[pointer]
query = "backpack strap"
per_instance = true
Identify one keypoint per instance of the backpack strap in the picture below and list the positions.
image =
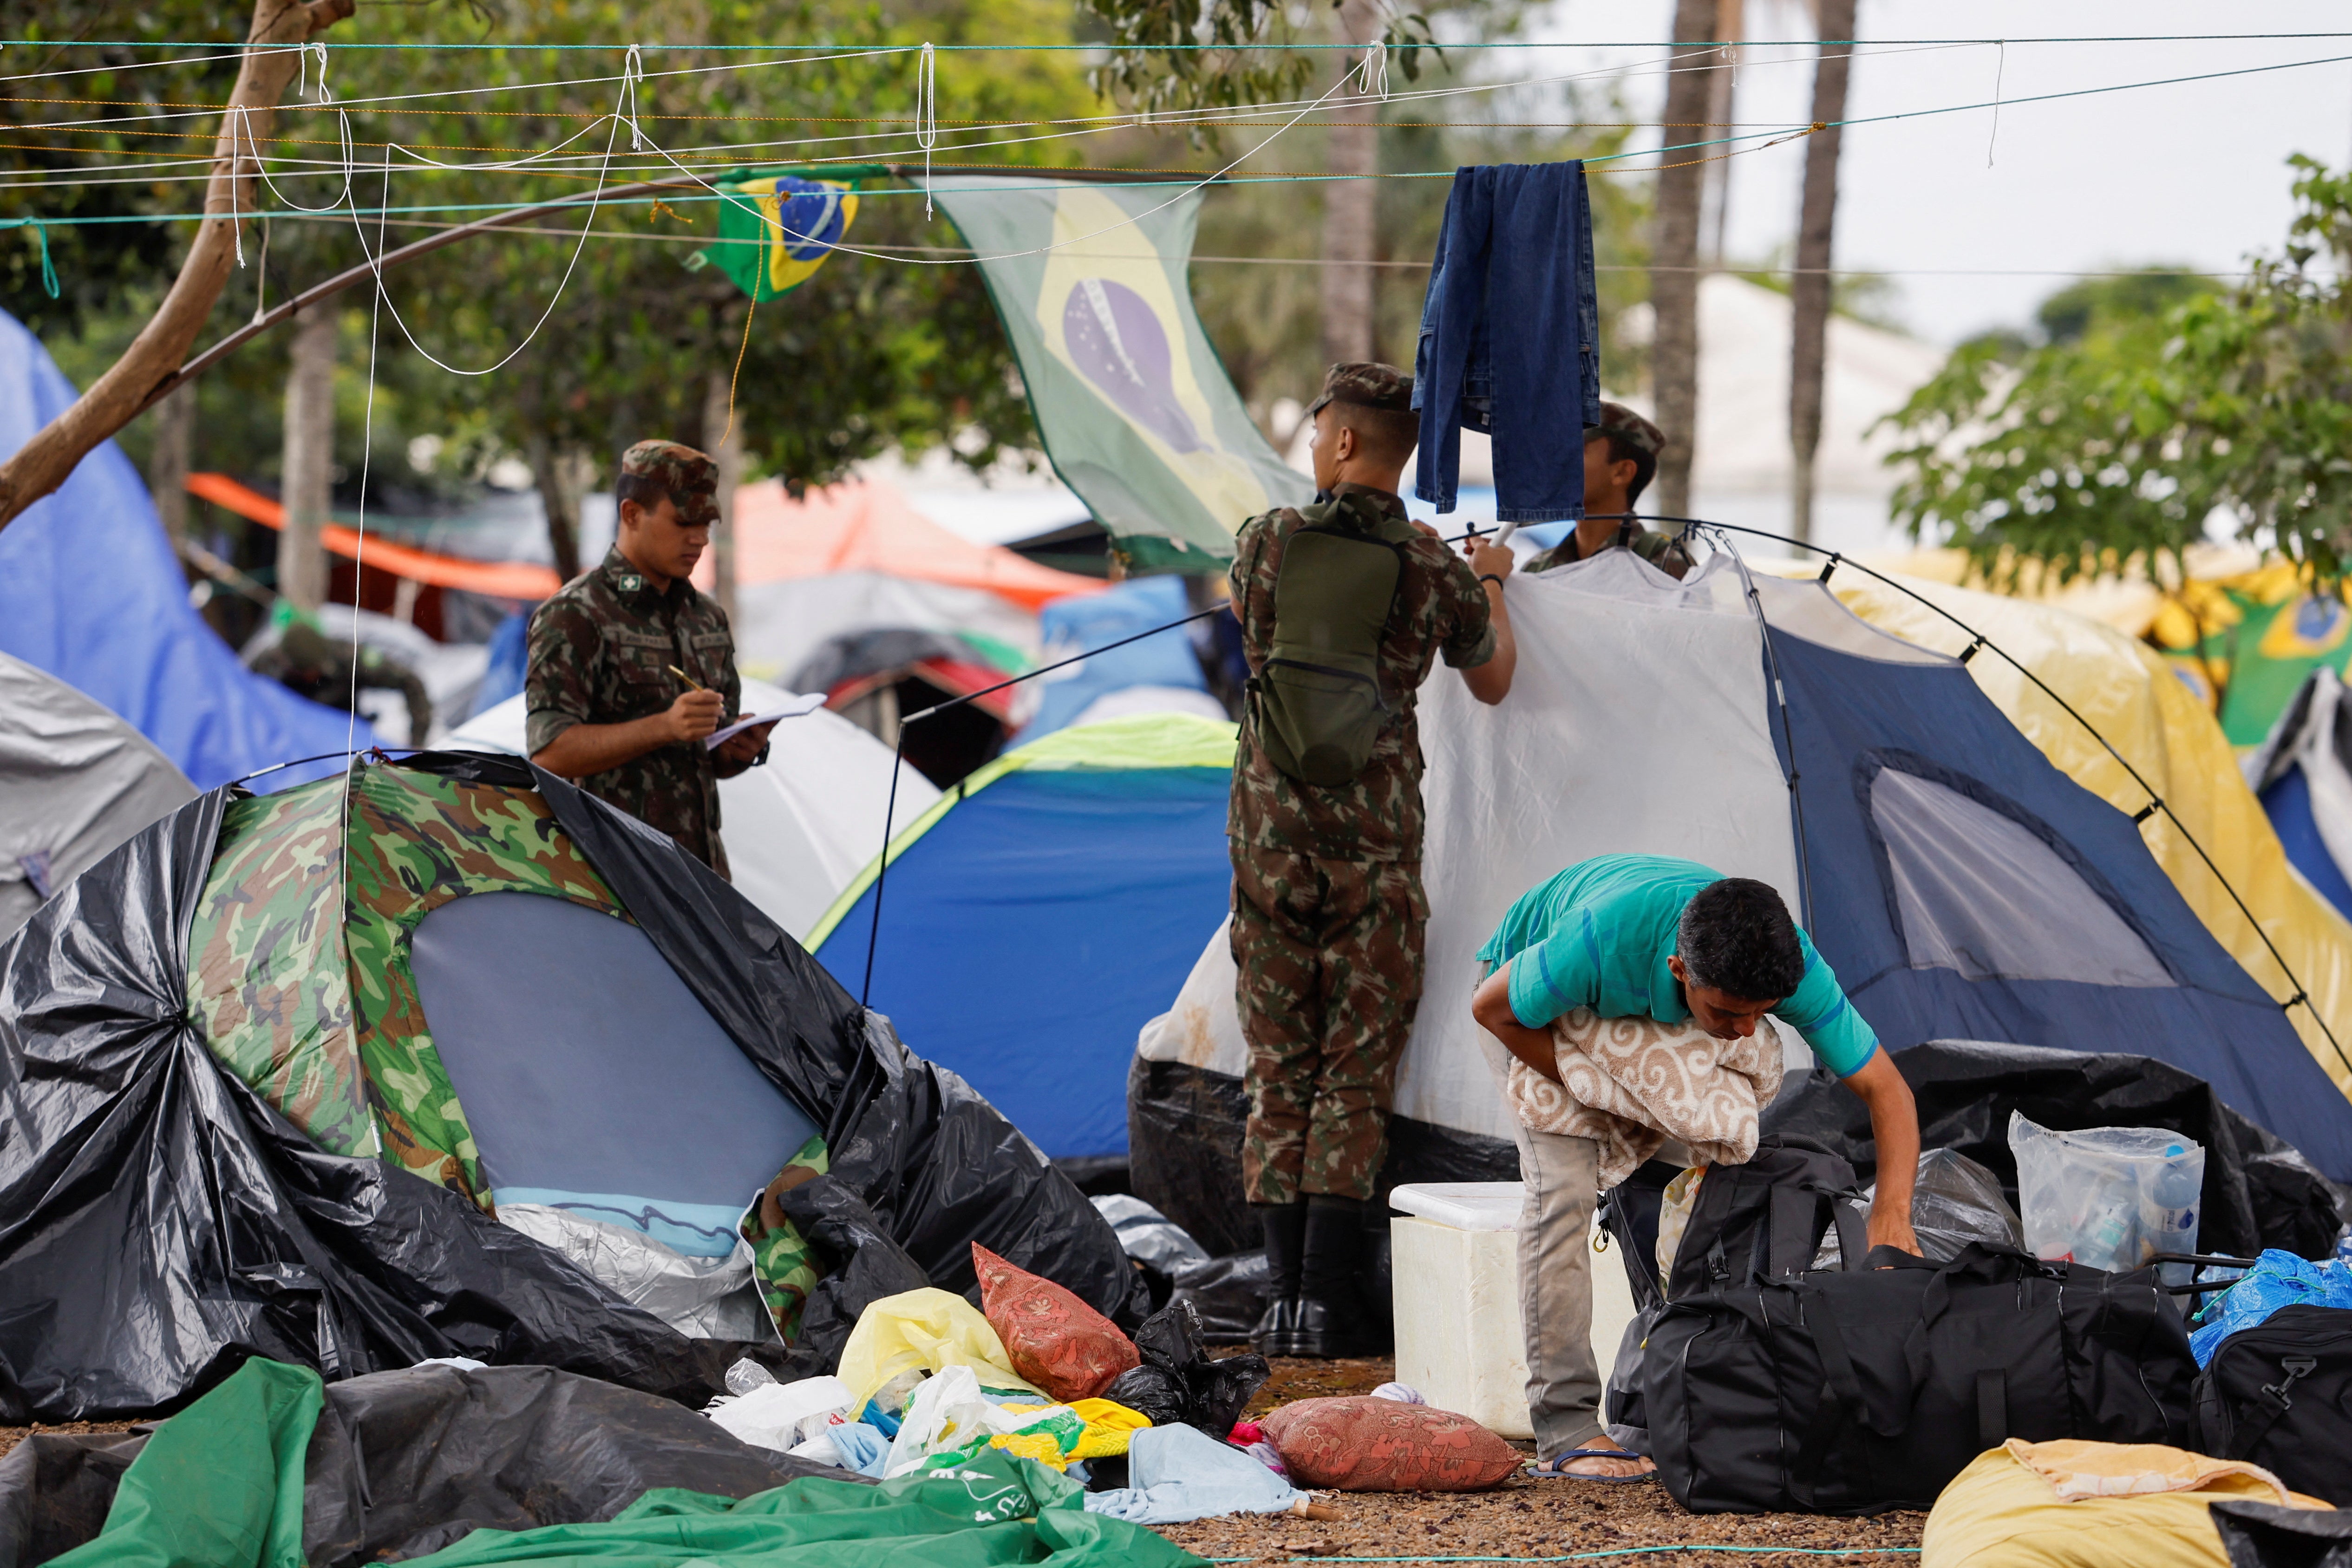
(2277, 1399)
(1854, 1237)
(1796, 1230)
(1992, 1408)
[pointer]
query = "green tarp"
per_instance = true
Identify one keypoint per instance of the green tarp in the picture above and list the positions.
(990, 1509)
(1133, 404)
(220, 1486)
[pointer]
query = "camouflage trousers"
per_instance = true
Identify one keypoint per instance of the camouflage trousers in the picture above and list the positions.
(1330, 954)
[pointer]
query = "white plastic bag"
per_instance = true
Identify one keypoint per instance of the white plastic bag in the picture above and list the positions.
(947, 1414)
(782, 1414)
(2108, 1197)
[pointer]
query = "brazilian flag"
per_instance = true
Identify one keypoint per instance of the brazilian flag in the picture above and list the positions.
(774, 230)
(1133, 406)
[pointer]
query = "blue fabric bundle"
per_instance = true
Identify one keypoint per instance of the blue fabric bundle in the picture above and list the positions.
(2277, 1280)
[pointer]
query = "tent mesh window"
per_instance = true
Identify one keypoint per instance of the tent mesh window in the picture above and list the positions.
(1975, 890)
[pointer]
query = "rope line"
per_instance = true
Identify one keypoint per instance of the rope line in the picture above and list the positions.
(1195, 48)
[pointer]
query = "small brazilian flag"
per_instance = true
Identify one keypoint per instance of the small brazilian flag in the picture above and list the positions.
(774, 230)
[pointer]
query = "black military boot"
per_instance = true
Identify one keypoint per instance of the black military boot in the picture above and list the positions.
(1284, 1225)
(1331, 1302)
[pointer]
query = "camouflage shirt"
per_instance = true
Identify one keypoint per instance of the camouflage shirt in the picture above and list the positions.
(601, 652)
(1662, 550)
(1440, 609)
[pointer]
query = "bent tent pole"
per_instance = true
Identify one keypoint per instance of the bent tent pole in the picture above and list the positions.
(1978, 643)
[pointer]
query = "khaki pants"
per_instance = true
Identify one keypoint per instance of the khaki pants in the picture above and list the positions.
(1556, 1288)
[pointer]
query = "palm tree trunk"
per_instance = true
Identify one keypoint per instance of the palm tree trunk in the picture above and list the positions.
(1809, 289)
(1350, 206)
(559, 500)
(308, 478)
(725, 436)
(169, 457)
(1674, 263)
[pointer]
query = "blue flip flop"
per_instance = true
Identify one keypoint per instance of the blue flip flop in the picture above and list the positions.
(1550, 1471)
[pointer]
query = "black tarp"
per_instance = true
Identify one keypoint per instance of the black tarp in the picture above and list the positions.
(403, 1463)
(158, 1223)
(1184, 1153)
(2259, 1192)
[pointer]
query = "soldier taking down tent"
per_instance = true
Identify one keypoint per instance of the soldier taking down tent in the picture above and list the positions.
(1345, 607)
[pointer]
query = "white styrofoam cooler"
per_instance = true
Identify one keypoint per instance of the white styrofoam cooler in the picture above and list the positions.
(1455, 1264)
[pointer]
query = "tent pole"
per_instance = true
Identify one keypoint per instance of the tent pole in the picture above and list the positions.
(2156, 802)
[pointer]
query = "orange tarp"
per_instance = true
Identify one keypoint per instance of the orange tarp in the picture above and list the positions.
(869, 527)
(499, 579)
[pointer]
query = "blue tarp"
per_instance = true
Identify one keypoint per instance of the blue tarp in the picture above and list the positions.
(1854, 717)
(92, 592)
(1074, 625)
(1034, 930)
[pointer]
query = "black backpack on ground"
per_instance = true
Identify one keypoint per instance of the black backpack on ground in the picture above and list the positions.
(1759, 1220)
(1855, 1393)
(2279, 1394)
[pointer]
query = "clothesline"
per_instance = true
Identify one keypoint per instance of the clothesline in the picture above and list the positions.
(512, 48)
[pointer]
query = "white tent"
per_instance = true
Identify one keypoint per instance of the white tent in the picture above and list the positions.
(1961, 887)
(76, 781)
(796, 830)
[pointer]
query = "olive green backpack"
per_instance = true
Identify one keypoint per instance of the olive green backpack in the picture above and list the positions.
(1315, 705)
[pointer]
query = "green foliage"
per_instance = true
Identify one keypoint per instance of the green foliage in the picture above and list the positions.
(2126, 438)
(2072, 313)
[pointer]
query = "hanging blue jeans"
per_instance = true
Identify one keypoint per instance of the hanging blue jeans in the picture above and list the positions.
(1510, 339)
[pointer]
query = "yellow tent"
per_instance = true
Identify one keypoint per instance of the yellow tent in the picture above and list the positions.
(2129, 692)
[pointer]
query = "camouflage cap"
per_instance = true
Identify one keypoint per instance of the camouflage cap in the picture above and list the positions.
(690, 477)
(1372, 386)
(1621, 422)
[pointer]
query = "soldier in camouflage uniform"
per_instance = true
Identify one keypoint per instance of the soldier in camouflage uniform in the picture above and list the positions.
(1328, 911)
(607, 706)
(1621, 454)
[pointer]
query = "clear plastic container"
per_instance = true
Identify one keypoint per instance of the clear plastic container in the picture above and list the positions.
(2108, 1197)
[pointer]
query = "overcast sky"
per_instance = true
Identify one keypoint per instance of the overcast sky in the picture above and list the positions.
(2192, 174)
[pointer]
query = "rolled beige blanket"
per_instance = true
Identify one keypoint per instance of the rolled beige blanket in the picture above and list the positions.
(1629, 1084)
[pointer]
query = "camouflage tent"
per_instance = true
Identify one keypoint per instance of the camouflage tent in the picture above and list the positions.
(323, 1040)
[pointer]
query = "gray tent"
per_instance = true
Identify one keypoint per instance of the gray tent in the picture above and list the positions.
(76, 780)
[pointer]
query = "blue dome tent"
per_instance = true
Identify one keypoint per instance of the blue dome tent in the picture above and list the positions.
(92, 592)
(2303, 773)
(1042, 910)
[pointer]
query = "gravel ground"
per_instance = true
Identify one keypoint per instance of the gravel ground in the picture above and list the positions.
(12, 1436)
(1522, 1519)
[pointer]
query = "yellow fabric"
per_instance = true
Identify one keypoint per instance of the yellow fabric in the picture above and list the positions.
(1108, 1429)
(1037, 1445)
(2077, 1469)
(2000, 1512)
(2131, 696)
(926, 1329)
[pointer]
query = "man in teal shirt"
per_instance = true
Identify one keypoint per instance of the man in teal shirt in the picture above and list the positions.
(1647, 936)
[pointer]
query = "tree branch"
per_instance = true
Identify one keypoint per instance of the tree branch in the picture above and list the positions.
(271, 58)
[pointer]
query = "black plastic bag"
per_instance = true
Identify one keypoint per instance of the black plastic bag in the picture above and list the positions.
(1184, 1131)
(403, 1463)
(1955, 1202)
(1159, 1249)
(1180, 1381)
(1228, 1296)
(2264, 1535)
(2259, 1192)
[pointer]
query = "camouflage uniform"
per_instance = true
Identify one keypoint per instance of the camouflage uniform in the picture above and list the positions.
(601, 652)
(1329, 913)
(1662, 550)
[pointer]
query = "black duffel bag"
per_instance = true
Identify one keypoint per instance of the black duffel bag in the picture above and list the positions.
(2280, 1395)
(1854, 1392)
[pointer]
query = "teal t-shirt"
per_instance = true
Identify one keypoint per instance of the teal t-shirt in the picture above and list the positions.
(1598, 935)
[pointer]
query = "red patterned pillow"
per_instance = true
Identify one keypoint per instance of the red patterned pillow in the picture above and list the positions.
(1053, 1340)
(1366, 1445)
